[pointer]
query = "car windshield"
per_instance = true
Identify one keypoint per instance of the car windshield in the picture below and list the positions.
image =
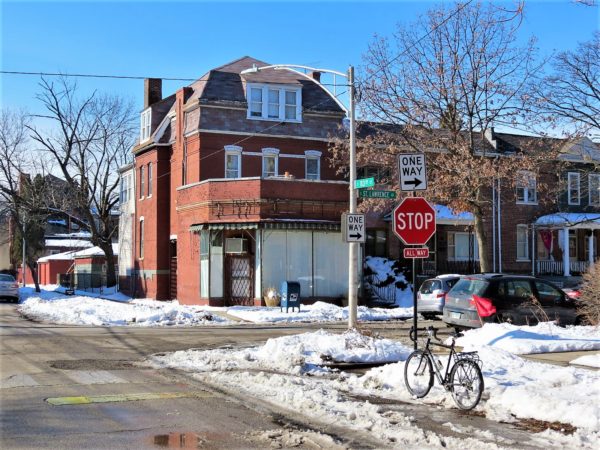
(451, 282)
(429, 286)
(469, 286)
(4, 277)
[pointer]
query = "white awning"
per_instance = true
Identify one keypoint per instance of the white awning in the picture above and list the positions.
(569, 220)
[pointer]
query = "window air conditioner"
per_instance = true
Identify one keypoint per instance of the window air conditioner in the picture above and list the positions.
(236, 245)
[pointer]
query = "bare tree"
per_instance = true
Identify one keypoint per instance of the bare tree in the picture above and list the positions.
(442, 84)
(572, 91)
(92, 138)
(28, 202)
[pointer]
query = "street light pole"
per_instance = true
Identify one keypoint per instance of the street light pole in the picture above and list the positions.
(23, 245)
(353, 250)
(351, 111)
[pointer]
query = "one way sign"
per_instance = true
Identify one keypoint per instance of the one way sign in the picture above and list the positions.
(353, 227)
(413, 172)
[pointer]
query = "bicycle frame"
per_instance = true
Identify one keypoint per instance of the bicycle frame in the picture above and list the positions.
(443, 380)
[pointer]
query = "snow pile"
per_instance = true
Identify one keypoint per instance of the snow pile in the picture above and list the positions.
(290, 354)
(317, 312)
(587, 360)
(388, 270)
(542, 338)
(514, 387)
(83, 310)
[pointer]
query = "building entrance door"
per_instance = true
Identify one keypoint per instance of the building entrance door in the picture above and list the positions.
(239, 280)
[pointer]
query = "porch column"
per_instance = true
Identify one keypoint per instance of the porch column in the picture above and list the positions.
(566, 258)
(591, 256)
(258, 265)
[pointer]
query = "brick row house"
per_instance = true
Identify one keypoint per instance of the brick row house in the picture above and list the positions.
(232, 192)
(540, 223)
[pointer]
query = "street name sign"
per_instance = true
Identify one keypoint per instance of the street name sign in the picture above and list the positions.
(416, 252)
(354, 227)
(362, 183)
(414, 221)
(413, 172)
(376, 194)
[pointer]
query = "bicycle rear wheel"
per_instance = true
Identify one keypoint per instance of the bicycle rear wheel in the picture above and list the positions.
(467, 384)
(418, 374)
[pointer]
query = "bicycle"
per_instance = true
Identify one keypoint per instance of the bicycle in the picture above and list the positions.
(462, 376)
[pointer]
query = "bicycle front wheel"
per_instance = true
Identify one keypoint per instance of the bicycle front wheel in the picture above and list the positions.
(467, 384)
(418, 374)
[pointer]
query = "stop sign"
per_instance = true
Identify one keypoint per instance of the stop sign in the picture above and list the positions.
(414, 221)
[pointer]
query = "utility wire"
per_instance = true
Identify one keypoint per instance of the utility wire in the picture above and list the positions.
(398, 56)
(118, 77)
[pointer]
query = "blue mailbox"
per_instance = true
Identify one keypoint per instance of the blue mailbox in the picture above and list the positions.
(290, 295)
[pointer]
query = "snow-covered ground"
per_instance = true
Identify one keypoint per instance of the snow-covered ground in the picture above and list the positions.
(55, 307)
(542, 338)
(85, 308)
(387, 270)
(318, 312)
(286, 373)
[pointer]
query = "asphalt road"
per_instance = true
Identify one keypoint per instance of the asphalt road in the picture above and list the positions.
(84, 387)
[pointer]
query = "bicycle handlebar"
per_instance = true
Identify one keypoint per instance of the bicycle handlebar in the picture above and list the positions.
(432, 332)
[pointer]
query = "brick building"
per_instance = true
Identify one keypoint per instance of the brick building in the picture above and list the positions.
(233, 192)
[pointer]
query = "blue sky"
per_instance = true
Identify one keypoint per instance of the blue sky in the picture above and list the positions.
(186, 39)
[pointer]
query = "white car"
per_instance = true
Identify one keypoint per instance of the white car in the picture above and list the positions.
(432, 294)
(9, 288)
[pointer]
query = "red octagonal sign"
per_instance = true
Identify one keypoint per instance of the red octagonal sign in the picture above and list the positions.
(414, 221)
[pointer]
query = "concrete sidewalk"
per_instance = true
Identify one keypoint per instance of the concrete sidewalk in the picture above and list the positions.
(562, 358)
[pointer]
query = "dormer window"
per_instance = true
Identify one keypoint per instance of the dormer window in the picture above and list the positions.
(268, 102)
(145, 125)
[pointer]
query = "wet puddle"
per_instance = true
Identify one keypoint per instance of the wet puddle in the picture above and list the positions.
(178, 440)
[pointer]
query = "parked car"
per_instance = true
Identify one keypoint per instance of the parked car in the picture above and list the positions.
(573, 292)
(432, 294)
(9, 288)
(477, 299)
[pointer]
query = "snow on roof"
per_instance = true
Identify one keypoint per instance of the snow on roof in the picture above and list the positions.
(69, 243)
(445, 216)
(81, 234)
(569, 220)
(94, 251)
(57, 256)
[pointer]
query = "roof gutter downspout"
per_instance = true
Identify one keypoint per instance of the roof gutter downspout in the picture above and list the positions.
(499, 228)
(494, 225)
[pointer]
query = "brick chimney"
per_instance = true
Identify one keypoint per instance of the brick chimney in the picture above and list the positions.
(152, 91)
(316, 75)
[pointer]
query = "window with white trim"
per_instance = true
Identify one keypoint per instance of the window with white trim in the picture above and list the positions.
(522, 243)
(149, 179)
(125, 189)
(594, 189)
(526, 187)
(142, 182)
(141, 238)
(269, 102)
(145, 121)
(573, 191)
(233, 161)
(270, 162)
(462, 246)
(313, 164)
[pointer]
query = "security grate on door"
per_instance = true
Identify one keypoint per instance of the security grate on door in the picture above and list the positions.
(239, 281)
